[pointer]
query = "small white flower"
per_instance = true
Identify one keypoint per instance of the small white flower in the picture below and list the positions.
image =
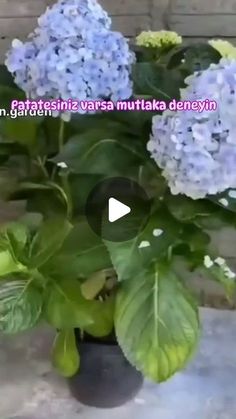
(144, 244)
(232, 194)
(208, 262)
(220, 261)
(157, 232)
(62, 164)
(224, 202)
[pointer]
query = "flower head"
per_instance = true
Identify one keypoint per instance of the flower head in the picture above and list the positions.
(73, 54)
(159, 39)
(225, 48)
(197, 151)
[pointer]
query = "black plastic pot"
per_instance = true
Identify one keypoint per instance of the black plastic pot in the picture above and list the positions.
(105, 379)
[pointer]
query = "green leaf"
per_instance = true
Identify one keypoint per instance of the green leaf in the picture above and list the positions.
(152, 243)
(48, 240)
(93, 285)
(100, 152)
(14, 237)
(82, 254)
(80, 188)
(34, 186)
(66, 307)
(216, 221)
(175, 57)
(219, 271)
(45, 202)
(7, 263)
(156, 323)
(8, 94)
(29, 188)
(156, 80)
(6, 78)
(20, 305)
(65, 355)
(196, 239)
(226, 199)
(186, 209)
(103, 318)
(22, 130)
(199, 57)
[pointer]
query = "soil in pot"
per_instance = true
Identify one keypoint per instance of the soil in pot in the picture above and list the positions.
(105, 379)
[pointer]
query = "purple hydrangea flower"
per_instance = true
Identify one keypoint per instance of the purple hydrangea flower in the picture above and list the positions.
(73, 54)
(197, 151)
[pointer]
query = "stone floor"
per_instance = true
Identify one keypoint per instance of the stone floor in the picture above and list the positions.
(29, 389)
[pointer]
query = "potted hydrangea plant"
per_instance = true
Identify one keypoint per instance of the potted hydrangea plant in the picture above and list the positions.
(118, 308)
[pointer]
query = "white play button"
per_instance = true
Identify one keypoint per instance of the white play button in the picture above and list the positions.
(117, 210)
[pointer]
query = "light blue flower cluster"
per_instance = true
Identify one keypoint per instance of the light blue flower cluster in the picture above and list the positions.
(73, 54)
(197, 151)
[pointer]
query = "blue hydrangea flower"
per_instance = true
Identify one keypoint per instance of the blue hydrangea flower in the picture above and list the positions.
(197, 151)
(73, 54)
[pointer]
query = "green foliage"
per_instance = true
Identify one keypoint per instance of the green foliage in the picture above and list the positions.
(48, 240)
(20, 305)
(192, 58)
(65, 306)
(152, 243)
(55, 268)
(65, 355)
(155, 80)
(156, 322)
(100, 152)
(81, 254)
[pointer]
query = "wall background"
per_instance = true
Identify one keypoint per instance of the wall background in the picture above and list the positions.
(191, 18)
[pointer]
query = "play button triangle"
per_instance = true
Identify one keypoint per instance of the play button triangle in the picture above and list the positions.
(117, 210)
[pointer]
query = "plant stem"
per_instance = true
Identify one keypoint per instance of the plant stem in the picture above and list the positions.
(40, 163)
(66, 187)
(65, 183)
(61, 135)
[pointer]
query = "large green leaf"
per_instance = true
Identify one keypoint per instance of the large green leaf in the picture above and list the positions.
(226, 199)
(156, 323)
(66, 307)
(48, 240)
(199, 57)
(20, 305)
(156, 80)
(80, 188)
(195, 238)
(100, 152)
(22, 130)
(186, 209)
(82, 254)
(65, 355)
(46, 202)
(152, 243)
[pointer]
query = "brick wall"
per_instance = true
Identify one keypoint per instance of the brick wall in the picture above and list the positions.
(191, 18)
